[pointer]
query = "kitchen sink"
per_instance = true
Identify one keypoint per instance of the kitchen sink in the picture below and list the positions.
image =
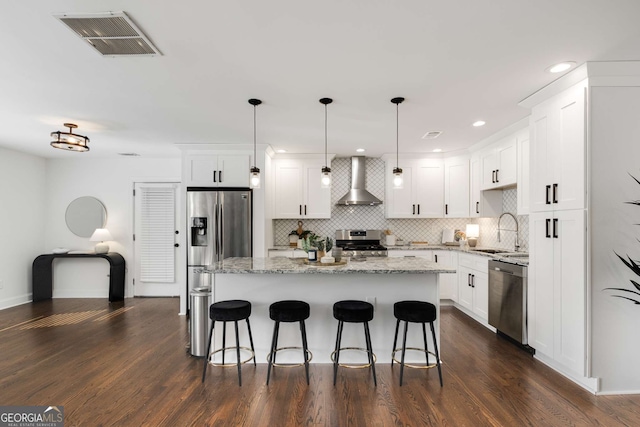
(489, 251)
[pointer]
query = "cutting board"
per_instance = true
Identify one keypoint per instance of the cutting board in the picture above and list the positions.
(447, 236)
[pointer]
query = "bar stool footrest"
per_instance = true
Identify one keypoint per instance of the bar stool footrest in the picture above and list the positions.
(227, 365)
(309, 356)
(350, 365)
(425, 366)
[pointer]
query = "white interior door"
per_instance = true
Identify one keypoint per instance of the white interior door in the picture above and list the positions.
(155, 234)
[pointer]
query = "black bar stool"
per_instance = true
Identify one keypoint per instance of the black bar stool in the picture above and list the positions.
(289, 311)
(229, 311)
(415, 312)
(351, 311)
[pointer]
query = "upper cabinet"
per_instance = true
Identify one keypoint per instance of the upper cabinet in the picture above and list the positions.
(422, 193)
(456, 187)
(523, 172)
(486, 203)
(558, 144)
(499, 164)
(228, 170)
(297, 189)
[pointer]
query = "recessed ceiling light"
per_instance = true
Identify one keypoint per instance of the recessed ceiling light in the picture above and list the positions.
(479, 123)
(437, 150)
(282, 151)
(562, 66)
(360, 150)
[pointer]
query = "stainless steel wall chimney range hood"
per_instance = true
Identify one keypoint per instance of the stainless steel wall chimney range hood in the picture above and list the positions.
(358, 195)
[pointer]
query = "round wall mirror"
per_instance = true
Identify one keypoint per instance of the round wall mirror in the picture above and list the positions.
(84, 215)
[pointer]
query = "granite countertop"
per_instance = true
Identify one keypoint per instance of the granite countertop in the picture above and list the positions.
(374, 265)
(512, 258)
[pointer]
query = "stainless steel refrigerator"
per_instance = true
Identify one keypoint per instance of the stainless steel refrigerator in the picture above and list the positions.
(219, 226)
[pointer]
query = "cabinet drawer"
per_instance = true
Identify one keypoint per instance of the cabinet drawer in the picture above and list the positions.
(409, 253)
(475, 262)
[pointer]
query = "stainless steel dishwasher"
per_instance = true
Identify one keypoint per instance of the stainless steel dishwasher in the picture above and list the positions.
(508, 299)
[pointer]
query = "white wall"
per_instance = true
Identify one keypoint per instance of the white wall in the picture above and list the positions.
(22, 212)
(111, 182)
(615, 153)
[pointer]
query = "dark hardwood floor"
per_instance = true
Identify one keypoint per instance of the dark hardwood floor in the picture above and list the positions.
(128, 366)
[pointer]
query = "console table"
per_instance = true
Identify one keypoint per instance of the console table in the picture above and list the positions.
(42, 274)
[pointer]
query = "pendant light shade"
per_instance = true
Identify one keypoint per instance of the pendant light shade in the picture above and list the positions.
(254, 172)
(70, 141)
(325, 179)
(397, 172)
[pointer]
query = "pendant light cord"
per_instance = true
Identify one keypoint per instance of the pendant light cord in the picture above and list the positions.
(397, 135)
(254, 136)
(325, 134)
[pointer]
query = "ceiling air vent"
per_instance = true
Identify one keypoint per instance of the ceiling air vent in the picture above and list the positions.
(110, 33)
(432, 134)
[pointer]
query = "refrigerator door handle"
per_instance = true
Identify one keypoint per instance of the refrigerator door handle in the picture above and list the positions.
(216, 232)
(220, 236)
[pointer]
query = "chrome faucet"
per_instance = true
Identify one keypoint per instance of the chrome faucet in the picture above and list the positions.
(517, 245)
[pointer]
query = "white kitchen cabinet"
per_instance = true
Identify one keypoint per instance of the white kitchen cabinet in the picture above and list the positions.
(287, 253)
(558, 144)
(456, 187)
(448, 282)
(523, 173)
(499, 164)
(297, 189)
(422, 194)
(483, 203)
(473, 285)
(557, 287)
(223, 170)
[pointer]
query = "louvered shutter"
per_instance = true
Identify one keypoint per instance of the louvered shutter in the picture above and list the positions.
(157, 234)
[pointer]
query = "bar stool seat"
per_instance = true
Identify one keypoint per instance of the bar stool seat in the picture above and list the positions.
(353, 311)
(415, 312)
(289, 311)
(229, 311)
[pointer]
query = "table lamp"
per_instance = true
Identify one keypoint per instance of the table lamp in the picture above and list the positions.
(473, 232)
(101, 235)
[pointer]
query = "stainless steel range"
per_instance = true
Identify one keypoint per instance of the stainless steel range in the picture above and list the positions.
(360, 243)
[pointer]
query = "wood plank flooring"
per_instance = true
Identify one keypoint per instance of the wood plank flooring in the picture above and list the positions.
(128, 366)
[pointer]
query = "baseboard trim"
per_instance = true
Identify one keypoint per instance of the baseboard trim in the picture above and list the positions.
(592, 385)
(15, 301)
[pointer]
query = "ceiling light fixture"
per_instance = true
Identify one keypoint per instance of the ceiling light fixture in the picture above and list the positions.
(69, 140)
(360, 150)
(562, 66)
(437, 150)
(254, 172)
(282, 151)
(479, 123)
(325, 179)
(397, 172)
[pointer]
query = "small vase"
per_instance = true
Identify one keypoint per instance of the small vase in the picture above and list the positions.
(320, 254)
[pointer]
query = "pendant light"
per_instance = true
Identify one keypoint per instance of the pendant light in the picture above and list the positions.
(254, 172)
(69, 140)
(397, 172)
(325, 179)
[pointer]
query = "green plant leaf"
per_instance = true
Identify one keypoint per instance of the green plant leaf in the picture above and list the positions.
(623, 290)
(630, 299)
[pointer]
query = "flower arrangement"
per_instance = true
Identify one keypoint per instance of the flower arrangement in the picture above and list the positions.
(460, 235)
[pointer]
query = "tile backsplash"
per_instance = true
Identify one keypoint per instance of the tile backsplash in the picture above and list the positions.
(372, 217)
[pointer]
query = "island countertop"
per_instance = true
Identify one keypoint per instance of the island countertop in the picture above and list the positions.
(280, 265)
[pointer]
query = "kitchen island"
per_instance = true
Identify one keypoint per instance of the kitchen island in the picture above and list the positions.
(382, 281)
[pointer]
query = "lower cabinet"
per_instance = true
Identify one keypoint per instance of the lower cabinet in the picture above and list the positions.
(448, 282)
(473, 285)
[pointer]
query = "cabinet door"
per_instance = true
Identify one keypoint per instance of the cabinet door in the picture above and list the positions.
(480, 286)
(201, 171)
(487, 203)
(233, 170)
(540, 159)
(540, 296)
(448, 282)
(506, 170)
(428, 189)
(456, 188)
(465, 291)
(569, 150)
(489, 165)
(523, 173)
(399, 202)
(317, 200)
(570, 289)
(288, 188)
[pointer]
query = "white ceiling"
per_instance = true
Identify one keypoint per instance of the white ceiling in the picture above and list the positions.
(454, 61)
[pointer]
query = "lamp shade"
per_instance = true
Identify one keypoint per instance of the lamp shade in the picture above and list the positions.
(473, 231)
(101, 235)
